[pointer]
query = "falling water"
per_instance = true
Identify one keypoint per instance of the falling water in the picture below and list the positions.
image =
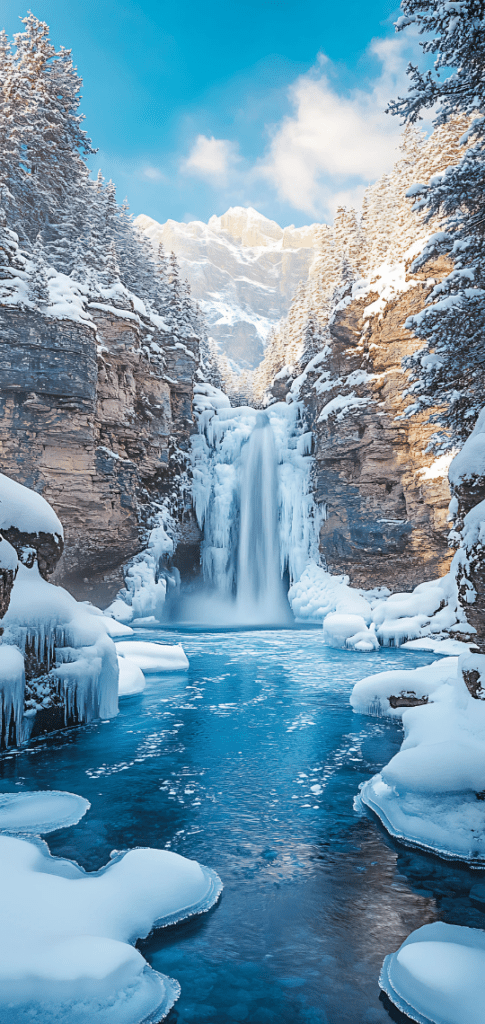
(260, 594)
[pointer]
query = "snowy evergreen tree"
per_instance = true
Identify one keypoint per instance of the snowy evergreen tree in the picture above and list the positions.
(450, 369)
(38, 282)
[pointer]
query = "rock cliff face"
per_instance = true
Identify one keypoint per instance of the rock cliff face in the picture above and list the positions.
(243, 270)
(383, 496)
(97, 419)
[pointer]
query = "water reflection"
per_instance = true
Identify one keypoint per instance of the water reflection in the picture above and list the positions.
(249, 763)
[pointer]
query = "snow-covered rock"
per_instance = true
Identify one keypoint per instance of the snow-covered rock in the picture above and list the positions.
(243, 270)
(438, 975)
(431, 793)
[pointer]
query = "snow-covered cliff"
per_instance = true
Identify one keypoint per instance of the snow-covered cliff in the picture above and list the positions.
(243, 270)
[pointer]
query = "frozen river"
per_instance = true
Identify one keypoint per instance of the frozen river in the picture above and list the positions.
(249, 763)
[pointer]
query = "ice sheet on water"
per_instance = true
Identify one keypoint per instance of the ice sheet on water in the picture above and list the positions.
(66, 935)
(153, 657)
(40, 812)
(438, 975)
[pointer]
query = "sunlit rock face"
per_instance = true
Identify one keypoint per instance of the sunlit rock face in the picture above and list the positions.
(243, 270)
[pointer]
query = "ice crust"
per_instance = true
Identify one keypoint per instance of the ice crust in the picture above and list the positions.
(431, 793)
(153, 657)
(40, 812)
(437, 976)
(66, 935)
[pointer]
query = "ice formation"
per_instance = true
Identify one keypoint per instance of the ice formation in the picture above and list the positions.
(235, 455)
(143, 596)
(437, 976)
(68, 641)
(131, 679)
(66, 935)
(153, 657)
(431, 793)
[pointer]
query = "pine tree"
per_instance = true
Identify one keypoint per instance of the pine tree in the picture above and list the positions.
(38, 282)
(450, 369)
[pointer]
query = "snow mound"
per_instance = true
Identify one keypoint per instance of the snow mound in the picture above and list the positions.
(28, 511)
(431, 793)
(394, 619)
(438, 975)
(66, 935)
(344, 630)
(153, 657)
(390, 693)
(131, 679)
(316, 593)
(40, 812)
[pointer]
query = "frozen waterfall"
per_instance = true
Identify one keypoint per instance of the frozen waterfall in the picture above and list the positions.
(259, 589)
(251, 490)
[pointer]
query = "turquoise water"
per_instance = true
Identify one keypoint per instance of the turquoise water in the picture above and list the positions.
(249, 763)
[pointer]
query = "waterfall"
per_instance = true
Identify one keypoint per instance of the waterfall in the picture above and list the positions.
(252, 498)
(259, 595)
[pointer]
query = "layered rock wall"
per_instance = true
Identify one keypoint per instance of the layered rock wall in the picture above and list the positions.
(384, 497)
(97, 418)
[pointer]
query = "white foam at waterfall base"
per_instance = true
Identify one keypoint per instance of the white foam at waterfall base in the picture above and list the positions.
(251, 490)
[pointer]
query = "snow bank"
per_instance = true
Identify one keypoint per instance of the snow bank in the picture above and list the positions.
(438, 974)
(431, 793)
(390, 619)
(66, 936)
(28, 511)
(316, 593)
(390, 693)
(131, 679)
(153, 657)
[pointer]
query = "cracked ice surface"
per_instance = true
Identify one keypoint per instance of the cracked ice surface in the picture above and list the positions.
(66, 935)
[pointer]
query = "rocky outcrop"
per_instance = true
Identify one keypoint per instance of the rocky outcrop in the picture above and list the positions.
(97, 418)
(383, 496)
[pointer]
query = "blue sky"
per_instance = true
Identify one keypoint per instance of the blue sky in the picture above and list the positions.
(197, 106)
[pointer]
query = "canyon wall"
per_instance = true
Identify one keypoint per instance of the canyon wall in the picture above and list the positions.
(383, 496)
(97, 418)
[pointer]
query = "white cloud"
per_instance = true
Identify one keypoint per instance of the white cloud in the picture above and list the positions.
(153, 174)
(334, 144)
(211, 159)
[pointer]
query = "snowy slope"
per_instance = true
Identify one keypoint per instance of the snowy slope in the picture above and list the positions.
(243, 269)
